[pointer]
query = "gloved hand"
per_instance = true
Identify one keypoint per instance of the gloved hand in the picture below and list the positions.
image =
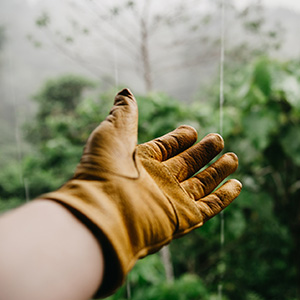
(137, 198)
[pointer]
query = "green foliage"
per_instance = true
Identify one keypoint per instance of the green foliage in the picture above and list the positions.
(262, 226)
(187, 287)
(58, 133)
(147, 282)
(159, 114)
(43, 20)
(57, 102)
(261, 124)
(61, 95)
(11, 182)
(291, 145)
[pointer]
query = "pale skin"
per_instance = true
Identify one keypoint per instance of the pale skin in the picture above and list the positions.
(47, 253)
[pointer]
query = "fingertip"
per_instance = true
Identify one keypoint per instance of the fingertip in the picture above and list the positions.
(217, 137)
(235, 185)
(234, 161)
(220, 199)
(124, 97)
(217, 140)
(233, 156)
(189, 131)
(124, 112)
(188, 127)
(126, 92)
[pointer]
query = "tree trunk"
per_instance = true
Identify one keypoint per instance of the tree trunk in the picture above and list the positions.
(145, 57)
(167, 262)
(296, 237)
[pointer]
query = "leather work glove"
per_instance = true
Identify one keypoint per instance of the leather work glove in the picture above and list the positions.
(137, 198)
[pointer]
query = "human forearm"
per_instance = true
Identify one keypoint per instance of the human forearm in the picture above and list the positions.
(46, 253)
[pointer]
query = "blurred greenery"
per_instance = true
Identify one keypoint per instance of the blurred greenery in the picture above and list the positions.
(260, 259)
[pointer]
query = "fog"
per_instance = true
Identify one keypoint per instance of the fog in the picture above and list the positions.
(85, 38)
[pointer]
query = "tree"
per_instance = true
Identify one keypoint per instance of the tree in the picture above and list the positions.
(57, 98)
(267, 128)
(261, 121)
(140, 46)
(2, 36)
(55, 147)
(151, 41)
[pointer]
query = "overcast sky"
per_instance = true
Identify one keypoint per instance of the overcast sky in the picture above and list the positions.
(25, 59)
(292, 4)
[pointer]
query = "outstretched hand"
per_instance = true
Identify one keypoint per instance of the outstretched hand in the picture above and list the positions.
(142, 196)
(171, 161)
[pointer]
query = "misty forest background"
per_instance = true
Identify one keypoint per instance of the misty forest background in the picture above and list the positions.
(61, 63)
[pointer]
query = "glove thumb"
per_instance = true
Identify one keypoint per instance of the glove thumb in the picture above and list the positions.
(124, 116)
(112, 144)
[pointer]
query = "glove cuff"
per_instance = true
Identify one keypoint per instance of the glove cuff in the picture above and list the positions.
(126, 218)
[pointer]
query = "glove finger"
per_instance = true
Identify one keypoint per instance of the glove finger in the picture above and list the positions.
(206, 181)
(221, 198)
(170, 144)
(112, 144)
(187, 163)
(124, 117)
(120, 126)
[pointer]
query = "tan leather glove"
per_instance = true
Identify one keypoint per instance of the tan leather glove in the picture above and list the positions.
(137, 198)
